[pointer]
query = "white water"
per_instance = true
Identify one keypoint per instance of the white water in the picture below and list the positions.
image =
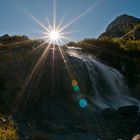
(109, 89)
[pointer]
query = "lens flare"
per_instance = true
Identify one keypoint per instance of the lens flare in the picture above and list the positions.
(83, 103)
(54, 34)
(76, 88)
(74, 83)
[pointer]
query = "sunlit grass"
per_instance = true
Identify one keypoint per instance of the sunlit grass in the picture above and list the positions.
(8, 134)
(7, 130)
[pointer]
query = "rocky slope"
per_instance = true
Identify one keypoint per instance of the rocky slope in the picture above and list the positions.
(118, 47)
(47, 107)
(121, 26)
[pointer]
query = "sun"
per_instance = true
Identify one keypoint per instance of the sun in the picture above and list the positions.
(54, 35)
(55, 32)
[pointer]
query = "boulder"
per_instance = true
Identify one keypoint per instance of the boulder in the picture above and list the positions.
(128, 110)
(109, 112)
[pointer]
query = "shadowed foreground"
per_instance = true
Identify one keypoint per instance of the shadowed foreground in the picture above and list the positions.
(48, 107)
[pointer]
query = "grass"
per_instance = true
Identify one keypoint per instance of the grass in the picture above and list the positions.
(7, 129)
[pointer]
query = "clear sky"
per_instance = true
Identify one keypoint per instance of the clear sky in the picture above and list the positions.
(14, 20)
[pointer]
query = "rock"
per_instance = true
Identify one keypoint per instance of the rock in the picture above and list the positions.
(6, 36)
(58, 129)
(136, 137)
(128, 110)
(121, 26)
(109, 112)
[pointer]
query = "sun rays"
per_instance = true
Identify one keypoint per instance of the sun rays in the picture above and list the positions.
(54, 34)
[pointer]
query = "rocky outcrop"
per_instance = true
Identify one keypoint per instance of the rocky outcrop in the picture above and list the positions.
(128, 110)
(121, 26)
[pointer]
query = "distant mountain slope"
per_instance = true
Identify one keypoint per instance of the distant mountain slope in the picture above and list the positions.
(134, 34)
(122, 26)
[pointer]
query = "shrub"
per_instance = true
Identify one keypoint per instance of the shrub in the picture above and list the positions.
(7, 130)
(131, 45)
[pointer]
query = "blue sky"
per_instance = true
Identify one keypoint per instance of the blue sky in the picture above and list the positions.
(14, 20)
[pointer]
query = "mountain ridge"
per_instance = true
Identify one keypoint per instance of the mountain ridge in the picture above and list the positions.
(121, 26)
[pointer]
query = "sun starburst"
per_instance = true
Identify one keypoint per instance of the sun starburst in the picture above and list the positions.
(54, 35)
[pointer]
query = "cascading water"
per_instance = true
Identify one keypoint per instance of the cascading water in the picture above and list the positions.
(60, 112)
(108, 88)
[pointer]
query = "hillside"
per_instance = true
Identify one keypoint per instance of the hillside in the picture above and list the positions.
(45, 104)
(133, 34)
(36, 90)
(118, 47)
(121, 26)
(17, 57)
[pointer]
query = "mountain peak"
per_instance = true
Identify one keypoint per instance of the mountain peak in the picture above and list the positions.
(121, 26)
(126, 17)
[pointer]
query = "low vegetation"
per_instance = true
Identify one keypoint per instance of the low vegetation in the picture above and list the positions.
(8, 130)
(17, 59)
(122, 34)
(112, 43)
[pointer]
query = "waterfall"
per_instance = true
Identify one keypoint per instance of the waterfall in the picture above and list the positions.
(108, 87)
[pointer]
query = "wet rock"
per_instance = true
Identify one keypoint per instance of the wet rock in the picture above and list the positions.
(109, 112)
(128, 110)
(58, 129)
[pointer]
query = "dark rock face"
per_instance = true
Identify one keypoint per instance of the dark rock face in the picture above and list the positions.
(120, 26)
(123, 19)
(128, 110)
(134, 34)
(107, 113)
